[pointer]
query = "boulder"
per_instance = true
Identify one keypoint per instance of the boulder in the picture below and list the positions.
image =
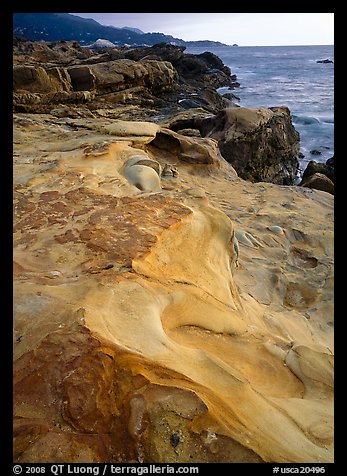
(319, 181)
(186, 119)
(213, 61)
(82, 78)
(156, 76)
(330, 162)
(197, 70)
(261, 143)
(317, 167)
(36, 79)
(189, 149)
(164, 51)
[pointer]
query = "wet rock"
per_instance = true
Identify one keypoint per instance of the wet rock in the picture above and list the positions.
(330, 162)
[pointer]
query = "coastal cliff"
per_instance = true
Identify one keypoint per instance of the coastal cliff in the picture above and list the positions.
(166, 309)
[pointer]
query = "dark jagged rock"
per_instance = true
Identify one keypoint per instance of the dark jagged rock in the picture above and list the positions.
(261, 144)
(319, 181)
(330, 162)
(317, 167)
(319, 176)
(164, 51)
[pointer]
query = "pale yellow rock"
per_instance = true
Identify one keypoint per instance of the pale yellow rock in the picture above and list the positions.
(244, 118)
(143, 177)
(129, 129)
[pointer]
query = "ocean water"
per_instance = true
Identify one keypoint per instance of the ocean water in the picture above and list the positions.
(288, 76)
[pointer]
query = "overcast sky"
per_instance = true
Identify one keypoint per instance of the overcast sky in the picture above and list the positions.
(245, 29)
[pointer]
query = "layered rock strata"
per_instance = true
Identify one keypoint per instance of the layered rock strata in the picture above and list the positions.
(164, 85)
(156, 79)
(192, 322)
(260, 143)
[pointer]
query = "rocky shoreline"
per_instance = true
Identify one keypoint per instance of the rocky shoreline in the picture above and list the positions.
(157, 83)
(173, 291)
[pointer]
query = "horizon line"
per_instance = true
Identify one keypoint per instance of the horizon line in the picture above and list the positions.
(253, 46)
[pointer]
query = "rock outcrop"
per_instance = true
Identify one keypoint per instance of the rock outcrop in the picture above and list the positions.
(319, 181)
(260, 143)
(36, 79)
(158, 79)
(321, 168)
(319, 176)
(161, 84)
(137, 338)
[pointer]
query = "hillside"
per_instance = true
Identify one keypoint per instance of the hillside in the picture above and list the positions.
(64, 26)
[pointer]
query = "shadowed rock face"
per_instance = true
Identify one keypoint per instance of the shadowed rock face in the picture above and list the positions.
(319, 176)
(135, 339)
(261, 144)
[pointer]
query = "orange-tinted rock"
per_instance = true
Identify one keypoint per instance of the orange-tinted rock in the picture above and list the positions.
(89, 403)
(135, 340)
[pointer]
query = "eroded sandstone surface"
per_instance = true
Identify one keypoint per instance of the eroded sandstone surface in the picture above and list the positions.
(191, 323)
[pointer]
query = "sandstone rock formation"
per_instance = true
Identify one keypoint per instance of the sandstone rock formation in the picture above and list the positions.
(135, 337)
(152, 78)
(261, 144)
(155, 84)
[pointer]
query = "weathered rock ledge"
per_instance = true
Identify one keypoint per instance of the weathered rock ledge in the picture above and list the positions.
(161, 84)
(157, 80)
(166, 310)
